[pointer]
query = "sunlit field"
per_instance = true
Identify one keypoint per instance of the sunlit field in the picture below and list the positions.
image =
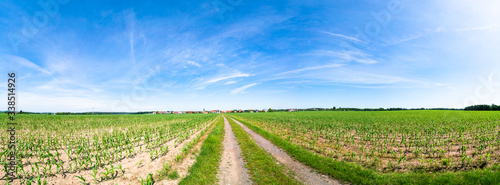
(393, 141)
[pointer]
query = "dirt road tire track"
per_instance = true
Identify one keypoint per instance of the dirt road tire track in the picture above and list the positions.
(306, 174)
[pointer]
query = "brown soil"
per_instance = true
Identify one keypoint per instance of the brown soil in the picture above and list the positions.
(304, 173)
(232, 168)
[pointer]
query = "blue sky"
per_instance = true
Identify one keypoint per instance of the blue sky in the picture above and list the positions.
(188, 55)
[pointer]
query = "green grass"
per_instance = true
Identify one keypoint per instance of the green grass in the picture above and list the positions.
(173, 175)
(204, 170)
(356, 174)
(262, 168)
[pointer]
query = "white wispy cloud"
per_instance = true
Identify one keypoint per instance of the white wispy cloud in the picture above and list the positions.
(194, 63)
(130, 20)
(347, 55)
(204, 83)
(310, 68)
(343, 36)
(67, 86)
(364, 78)
(490, 27)
(234, 75)
(405, 38)
(440, 29)
(364, 60)
(440, 84)
(346, 76)
(250, 26)
(241, 89)
(25, 63)
(230, 82)
(395, 41)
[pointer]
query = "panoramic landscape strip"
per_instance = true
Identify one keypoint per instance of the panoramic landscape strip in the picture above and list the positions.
(360, 147)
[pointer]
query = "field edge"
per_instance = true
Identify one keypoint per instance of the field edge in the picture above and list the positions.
(204, 170)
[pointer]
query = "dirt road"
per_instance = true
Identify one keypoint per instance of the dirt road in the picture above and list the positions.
(232, 168)
(304, 173)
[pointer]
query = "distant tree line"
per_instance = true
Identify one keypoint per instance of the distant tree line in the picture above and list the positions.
(483, 107)
(145, 112)
(80, 113)
(100, 113)
(22, 112)
(356, 109)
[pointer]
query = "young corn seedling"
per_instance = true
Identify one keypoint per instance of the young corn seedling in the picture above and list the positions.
(149, 180)
(70, 167)
(5, 166)
(94, 174)
(20, 167)
(151, 154)
(112, 170)
(106, 173)
(40, 182)
(29, 181)
(139, 163)
(166, 168)
(82, 180)
(121, 168)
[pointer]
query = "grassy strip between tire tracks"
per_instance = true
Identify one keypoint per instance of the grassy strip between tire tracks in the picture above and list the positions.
(204, 170)
(356, 174)
(262, 168)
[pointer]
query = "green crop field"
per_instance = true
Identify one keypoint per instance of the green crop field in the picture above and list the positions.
(92, 147)
(392, 142)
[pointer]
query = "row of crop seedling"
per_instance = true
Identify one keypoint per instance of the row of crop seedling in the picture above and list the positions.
(423, 142)
(86, 153)
(167, 171)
